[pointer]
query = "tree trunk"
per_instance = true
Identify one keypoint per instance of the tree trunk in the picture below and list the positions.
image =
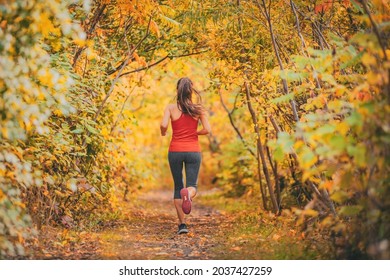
(275, 47)
(260, 153)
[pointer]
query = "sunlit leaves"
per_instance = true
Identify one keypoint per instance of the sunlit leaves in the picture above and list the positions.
(283, 99)
(33, 89)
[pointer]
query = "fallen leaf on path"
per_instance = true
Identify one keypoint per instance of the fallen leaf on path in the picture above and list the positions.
(235, 248)
(276, 237)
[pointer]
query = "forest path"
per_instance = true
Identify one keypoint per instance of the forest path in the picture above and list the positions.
(146, 229)
(149, 231)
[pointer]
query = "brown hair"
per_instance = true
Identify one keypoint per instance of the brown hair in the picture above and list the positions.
(185, 89)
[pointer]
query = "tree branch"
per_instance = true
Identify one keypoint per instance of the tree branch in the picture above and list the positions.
(303, 43)
(121, 111)
(264, 10)
(230, 113)
(161, 60)
(130, 55)
(375, 27)
(95, 19)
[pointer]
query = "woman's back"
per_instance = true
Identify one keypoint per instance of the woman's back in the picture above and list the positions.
(184, 132)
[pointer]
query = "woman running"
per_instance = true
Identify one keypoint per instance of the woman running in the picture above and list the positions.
(184, 147)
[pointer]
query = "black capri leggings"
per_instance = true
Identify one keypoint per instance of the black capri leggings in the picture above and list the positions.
(191, 161)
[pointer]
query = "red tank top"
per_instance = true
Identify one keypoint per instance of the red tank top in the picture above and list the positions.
(184, 136)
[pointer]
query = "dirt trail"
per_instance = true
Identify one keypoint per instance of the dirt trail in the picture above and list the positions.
(150, 232)
(147, 231)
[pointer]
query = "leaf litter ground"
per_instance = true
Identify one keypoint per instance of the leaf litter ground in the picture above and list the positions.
(146, 229)
(150, 231)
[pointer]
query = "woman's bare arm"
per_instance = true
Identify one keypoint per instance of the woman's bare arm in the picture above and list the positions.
(206, 125)
(165, 121)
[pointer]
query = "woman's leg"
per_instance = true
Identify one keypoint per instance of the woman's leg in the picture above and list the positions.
(176, 160)
(192, 166)
(179, 211)
(192, 192)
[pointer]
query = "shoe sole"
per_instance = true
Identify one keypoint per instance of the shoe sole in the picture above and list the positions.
(183, 231)
(186, 204)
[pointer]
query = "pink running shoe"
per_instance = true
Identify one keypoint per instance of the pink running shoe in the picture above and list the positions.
(186, 204)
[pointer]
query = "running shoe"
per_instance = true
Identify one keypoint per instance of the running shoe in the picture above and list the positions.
(182, 229)
(186, 201)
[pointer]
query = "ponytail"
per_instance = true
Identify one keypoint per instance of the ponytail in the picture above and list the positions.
(184, 98)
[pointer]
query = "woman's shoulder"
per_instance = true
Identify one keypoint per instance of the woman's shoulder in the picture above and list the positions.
(172, 107)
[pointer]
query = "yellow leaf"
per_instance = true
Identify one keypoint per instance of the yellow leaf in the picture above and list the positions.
(155, 29)
(4, 132)
(374, 78)
(45, 77)
(307, 158)
(298, 144)
(45, 26)
(310, 212)
(105, 132)
(57, 112)
(343, 128)
(368, 59)
(327, 221)
(91, 54)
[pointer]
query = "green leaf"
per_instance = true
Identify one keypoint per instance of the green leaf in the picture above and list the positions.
(285, 141)
(352, 62)
(336, 39)
(79, 154)
(339, 196)
(91, 129)
(301, 61)
(326, 129)
(357, 6)
(171, 22)
(351, 210)
(278, 154)
(283, 99)
(77, 131)
(355, 119)
(358, 152)
(328, 78)
(308, 158)
(292, 76)
(337, 142)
